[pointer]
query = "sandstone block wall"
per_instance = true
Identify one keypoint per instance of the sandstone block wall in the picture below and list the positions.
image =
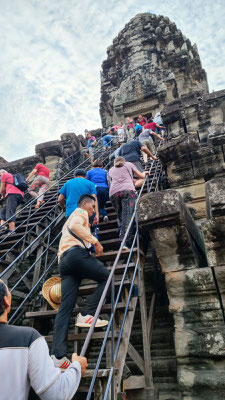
(192, 278)
(150, 63)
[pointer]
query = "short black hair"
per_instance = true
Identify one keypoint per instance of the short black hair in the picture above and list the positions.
(85, 197)
(80, 172)
(3, 293)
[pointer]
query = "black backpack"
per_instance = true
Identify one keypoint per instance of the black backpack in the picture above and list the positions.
(20, 182)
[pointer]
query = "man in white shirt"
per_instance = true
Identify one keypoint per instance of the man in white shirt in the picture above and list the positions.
(25, 362)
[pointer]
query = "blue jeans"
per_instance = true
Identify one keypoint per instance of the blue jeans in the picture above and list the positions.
(107, 141)
(103, 196)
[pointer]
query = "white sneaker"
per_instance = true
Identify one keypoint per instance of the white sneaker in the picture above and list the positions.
(106, 218)
(86, 321)
(62, 363)
(125, 248)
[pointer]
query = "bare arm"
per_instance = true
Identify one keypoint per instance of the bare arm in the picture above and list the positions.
(96, 219)
(31, 174)
(3, 190)
(139, 174)
(61, 201)
(156, 134)
(145, 150)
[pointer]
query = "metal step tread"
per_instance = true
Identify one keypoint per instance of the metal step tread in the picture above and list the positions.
(52, 313)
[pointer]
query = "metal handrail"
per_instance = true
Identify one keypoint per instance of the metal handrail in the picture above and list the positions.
(44, 253)
(29, 246)
(33, 242)
(108, 283)
(91, 329)
(42, 206)
(52, 186)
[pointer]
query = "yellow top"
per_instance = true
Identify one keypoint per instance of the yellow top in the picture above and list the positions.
(78, 222)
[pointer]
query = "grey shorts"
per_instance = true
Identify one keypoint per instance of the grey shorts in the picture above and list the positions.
(8, 211)
(91, 151)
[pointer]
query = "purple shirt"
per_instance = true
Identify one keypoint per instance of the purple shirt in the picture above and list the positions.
(122, 178)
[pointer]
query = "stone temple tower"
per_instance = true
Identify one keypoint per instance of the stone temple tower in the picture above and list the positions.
(149, 64)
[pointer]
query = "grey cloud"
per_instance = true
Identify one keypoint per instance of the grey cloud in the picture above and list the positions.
(52, 54)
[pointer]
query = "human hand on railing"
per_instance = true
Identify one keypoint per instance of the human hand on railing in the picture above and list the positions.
(82, 361)
(154, 158)
(98, 249)
(146, 173)
(96, 219)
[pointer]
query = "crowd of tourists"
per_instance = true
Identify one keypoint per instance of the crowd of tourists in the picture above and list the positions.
(83, 198)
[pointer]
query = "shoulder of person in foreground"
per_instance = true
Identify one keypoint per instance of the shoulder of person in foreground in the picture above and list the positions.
(79, 213)
(47, 380)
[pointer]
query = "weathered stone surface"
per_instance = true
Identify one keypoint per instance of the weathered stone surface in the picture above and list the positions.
(70, 144)
(166, 241)
(199, 112)
(193, 195)
(176, 148)
(193, 294)
(215, 197)
(23, 165)
(216, 134)
(187, 285)
(150, 63)
(214, 236)
(189, 165)
(167, 208)
(49, 149)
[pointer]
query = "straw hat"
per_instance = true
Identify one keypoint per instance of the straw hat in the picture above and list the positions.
(51, 291)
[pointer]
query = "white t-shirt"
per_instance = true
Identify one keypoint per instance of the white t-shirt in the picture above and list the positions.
(25, 362)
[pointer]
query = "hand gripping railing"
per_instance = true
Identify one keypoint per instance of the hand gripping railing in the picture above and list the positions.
(110, 281)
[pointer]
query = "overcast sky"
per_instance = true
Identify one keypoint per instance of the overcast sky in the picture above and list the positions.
(51, 53)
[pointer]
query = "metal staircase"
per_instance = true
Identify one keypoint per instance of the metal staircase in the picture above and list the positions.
(116, 365)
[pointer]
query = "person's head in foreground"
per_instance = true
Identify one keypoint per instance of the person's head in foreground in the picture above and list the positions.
(87, 202)
(5, 302)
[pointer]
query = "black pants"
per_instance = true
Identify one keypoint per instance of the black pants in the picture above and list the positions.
(103, 197)
(75, 265)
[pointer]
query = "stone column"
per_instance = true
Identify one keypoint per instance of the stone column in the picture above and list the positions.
(199, 332)
(214, 232)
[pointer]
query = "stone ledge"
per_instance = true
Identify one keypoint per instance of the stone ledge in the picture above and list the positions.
(215, 197)
(167, 208)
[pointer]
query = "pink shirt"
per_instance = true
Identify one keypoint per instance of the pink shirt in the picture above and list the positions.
(121, 178)
(42, 170)
(131, 125)
(10, 189)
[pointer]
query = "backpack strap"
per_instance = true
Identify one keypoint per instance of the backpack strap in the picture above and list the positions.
(76, 237)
